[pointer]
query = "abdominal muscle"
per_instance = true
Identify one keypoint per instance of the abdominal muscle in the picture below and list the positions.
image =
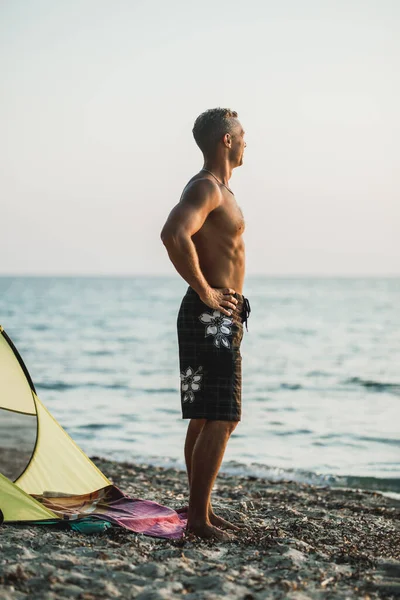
(222, 261)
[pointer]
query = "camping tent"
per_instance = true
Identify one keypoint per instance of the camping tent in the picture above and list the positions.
(36, 455)
(41, 465)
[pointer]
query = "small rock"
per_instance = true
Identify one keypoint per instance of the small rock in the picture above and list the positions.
(151, 570)
(388, 587)
(205, 582)
(154, 595)
(70, 591)
(390, 567)
(111, 590)
(27, 554)
(295, 556)
(297, 596)
(77, 579)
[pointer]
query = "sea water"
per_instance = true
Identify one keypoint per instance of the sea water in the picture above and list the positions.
(321, 372)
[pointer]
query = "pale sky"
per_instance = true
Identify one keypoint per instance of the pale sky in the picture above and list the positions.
(97, 104)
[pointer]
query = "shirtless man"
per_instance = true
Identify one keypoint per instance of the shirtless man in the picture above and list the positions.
(203, 237)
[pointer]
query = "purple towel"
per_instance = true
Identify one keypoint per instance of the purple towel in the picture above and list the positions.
(110, 504)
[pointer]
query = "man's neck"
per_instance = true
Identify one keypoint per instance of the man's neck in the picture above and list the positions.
(221, 170)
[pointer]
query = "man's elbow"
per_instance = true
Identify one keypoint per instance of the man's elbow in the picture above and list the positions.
(169, 236)
(165, 236)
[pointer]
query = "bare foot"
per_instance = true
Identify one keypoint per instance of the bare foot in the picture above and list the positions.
(214, 520)
(207, 531)
(223, 523)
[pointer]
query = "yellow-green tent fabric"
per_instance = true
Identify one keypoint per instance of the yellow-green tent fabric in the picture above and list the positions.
(36, 455)
(16, 505)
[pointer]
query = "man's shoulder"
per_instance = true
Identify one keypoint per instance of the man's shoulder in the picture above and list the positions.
(201, 182)
(201, 188)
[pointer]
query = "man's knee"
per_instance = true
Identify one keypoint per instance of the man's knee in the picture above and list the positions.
(197, 424)
(225, 426)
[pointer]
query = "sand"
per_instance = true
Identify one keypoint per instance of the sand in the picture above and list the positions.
(299, 541)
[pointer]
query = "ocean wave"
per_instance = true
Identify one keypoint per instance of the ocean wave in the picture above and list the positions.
(100, 426)
(292, 432)
(40, 327)
(290, 386)
(317, 374)
(60, 386)
(379, 440)
(376, 386)
(159, 390)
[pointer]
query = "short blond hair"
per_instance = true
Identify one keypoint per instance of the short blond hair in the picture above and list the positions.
(211, 126)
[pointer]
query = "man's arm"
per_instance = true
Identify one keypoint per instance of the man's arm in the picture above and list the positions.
(185, 219)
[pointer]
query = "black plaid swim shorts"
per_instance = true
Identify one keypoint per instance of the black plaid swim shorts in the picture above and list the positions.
(210, 359)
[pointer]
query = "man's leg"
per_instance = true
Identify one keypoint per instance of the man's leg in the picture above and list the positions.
(194, 429)
(207, 457)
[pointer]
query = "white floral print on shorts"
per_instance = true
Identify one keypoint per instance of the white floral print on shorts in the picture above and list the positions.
(190, 381)
(218, 325)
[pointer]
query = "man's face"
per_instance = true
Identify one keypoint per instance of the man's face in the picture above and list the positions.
(238, 144)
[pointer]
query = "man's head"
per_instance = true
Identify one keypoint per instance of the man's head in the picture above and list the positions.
(218, 132)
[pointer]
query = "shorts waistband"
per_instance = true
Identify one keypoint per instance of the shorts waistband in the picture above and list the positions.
(242, 301)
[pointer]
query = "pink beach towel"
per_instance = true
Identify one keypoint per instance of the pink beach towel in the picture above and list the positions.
(110, 504)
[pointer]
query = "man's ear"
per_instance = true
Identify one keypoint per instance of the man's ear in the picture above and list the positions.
(227, 140)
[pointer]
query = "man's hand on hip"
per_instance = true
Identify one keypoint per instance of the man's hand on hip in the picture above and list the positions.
(222, 299)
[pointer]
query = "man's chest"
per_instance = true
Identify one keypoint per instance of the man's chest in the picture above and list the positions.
(228, 218)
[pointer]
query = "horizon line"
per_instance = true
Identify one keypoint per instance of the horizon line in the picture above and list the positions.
(248, 276)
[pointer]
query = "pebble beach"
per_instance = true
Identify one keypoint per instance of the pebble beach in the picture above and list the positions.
(297, 541)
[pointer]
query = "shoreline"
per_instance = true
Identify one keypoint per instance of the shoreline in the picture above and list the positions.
(234, 469)
(299, 541)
